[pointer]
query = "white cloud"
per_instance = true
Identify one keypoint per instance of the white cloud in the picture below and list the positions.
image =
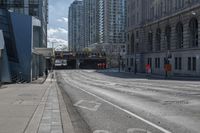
(57, 42)
(62, 30)
(59, 20)
(52, 31)
(63, 20)
(57, 36)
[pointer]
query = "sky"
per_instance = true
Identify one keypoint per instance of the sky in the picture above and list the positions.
(58, 22)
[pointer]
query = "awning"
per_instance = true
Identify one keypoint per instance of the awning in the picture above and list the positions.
(46, 52)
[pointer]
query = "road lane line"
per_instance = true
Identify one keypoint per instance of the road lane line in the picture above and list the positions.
(128, 112)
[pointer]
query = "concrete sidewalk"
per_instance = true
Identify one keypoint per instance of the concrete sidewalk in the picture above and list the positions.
(33, 108)
(152, 76)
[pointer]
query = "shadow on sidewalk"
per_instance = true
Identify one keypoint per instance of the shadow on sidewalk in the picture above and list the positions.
(126, 75)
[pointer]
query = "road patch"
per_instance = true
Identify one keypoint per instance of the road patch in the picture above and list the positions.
(101, 131)
(137, 130)
(178, 102)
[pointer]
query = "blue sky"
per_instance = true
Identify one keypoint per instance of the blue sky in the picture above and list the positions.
(58, 21)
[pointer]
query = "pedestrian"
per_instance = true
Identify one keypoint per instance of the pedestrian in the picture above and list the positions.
(129, 69)
(46, 72)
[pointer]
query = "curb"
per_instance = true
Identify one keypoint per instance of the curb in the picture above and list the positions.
(65, 118)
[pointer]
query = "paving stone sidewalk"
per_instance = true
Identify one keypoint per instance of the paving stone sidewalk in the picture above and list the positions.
(33, 108)
(51, 119)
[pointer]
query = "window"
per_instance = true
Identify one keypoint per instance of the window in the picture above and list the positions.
(192, 63)
(127, 62)
(168, 37)
(193, 26)
(158, 39)
(189, 63)
(179, 35)
(178, 63)
(150, 40)
(137, 34)
(157, 62)
(132, 44)
(149, 61)
(132, 61)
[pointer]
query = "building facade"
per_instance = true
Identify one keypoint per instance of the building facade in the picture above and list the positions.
(75, 26)
(112, 20)
(103, 22)
(112, 24)
(36, 8)
(24, 26)
(91, 19)
(164, 32)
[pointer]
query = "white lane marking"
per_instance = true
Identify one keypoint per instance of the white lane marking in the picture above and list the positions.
(101, 131)
(136, 130)
(89, 105)
(128, 112)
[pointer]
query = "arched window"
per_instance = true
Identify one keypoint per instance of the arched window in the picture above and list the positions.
(168, 37)
(193, 26)
(132, 43)
(158, 39)
(150, 40)
(179, 35)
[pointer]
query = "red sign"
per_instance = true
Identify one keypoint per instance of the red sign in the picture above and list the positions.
(148, 68)
(168, 67)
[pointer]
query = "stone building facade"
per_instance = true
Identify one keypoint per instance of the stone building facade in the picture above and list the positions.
(167, 33)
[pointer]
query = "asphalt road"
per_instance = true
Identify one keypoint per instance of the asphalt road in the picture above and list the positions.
(111, 102)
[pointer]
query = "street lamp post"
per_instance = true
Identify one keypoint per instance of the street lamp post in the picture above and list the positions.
(53, 54)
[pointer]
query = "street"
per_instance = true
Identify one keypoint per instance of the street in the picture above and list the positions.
(112, 102)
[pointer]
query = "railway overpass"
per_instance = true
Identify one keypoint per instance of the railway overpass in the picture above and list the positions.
(78, 60)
